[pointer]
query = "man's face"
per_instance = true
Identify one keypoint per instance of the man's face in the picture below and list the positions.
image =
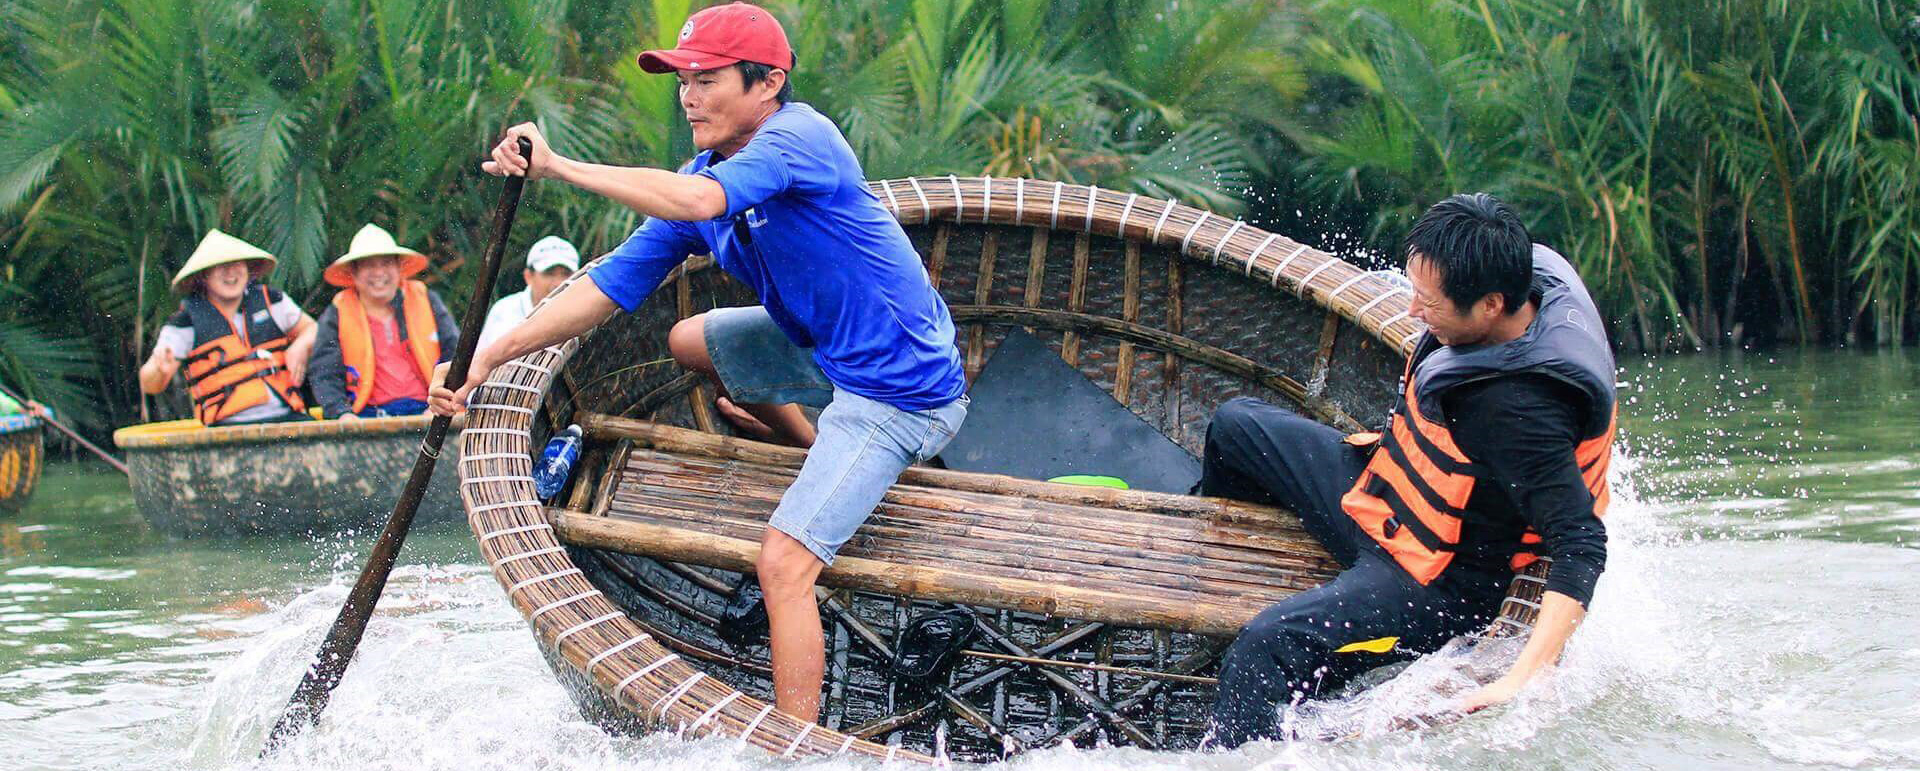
(722, 112)
(377, 278)
(226, 282)
(544, 282)
(1450, 324)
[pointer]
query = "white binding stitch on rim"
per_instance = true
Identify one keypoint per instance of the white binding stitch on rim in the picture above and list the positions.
(711, 711)
(1162, 222)
(480, 456)
(1053, 212)
(1259, 250)
(1382, 298)
(486, 480)
(527, 555)
(892, 203)
(797, 739)
(511, 386)
(609, 653)
(1307, 279)
(528, 365)
(1524, 603)
(1348, 284)
(755, 722)
(1125, 213)
(482, 509)
(527, 411)
(492, 534)
(621, 689)
(519, 432)
(1298, 250)
(544, 609)
(959, 201)
(986, 201)
(1219, 247)
(1187, 240)
(660, 710)
(844, 746)
(1530, 578)
(538, 579)
(1410, 337)
(1093, 195)
(583, 626)
(1019, 199)
(1395, 318)
(926, 209)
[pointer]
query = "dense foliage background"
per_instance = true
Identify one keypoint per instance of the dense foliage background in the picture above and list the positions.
(1723, 171)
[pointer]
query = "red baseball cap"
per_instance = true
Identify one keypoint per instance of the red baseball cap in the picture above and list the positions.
(722, 36)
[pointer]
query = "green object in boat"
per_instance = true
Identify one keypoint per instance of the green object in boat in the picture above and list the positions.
(1092, 480)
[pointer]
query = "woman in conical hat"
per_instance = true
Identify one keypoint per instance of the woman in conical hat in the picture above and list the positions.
(244, 345)
(383, 333)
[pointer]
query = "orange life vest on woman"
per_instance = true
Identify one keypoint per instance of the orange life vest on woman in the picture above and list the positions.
(356, 338)
(1412, 497)
(231, 369)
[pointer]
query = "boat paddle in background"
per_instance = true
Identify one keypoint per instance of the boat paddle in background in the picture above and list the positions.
(310, 699)
(48, 417)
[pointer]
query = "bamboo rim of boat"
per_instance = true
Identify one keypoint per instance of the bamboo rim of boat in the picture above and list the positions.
(574, 621)
(189, 432)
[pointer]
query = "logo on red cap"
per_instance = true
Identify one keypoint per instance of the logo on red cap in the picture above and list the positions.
(722, 36)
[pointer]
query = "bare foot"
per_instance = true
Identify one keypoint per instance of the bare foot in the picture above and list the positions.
(744, 420)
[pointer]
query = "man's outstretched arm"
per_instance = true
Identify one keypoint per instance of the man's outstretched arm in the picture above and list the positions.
(579, 308)
(655, 193)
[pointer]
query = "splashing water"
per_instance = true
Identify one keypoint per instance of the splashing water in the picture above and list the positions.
(1739, 625)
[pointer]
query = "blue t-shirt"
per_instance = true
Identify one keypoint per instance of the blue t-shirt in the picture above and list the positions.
(832, 267)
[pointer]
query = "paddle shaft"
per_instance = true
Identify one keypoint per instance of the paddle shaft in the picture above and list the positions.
(111, 461)
(336, 652)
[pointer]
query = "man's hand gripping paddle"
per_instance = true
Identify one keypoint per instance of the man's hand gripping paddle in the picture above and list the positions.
(344, 638)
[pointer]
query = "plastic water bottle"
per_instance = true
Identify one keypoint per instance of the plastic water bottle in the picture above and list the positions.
(556, 462)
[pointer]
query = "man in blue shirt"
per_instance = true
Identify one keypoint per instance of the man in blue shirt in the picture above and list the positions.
(847, 322)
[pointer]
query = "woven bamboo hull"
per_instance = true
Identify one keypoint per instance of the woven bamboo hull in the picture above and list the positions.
(285, 478)
(22, 454)
(1171, 310)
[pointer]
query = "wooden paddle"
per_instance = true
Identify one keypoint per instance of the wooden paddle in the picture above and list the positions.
(111, 461)
(344, 638)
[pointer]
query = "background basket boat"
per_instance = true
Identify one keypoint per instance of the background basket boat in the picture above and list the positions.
(22, 454)
(314, 477)
(1100, 612)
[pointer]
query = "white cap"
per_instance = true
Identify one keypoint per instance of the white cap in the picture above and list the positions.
(550, 251)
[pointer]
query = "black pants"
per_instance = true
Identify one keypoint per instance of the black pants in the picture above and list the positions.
(1370, 615)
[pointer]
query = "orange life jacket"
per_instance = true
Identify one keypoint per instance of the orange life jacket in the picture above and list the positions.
(232, 369)
(1413, 495)
(356, 338)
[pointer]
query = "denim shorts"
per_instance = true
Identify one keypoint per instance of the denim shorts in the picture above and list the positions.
(861, 445)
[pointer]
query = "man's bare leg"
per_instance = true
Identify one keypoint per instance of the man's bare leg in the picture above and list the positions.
(787, 573)
(779, 423)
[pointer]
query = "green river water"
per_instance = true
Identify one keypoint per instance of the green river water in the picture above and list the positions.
(1757, 613)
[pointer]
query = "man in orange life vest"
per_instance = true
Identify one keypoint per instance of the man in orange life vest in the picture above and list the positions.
(1496, 452)
(245, 346)
(383, 334)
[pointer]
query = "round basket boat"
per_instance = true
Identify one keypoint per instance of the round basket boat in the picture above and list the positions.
(319, 476)
(1099, 613)
(22, 453)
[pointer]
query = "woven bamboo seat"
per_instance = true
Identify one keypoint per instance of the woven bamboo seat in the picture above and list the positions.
(1178, 562)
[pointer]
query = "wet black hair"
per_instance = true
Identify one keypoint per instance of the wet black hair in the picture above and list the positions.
(1479, 247)
(751, 73)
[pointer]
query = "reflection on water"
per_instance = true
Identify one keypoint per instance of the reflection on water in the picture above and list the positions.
(1752, 617)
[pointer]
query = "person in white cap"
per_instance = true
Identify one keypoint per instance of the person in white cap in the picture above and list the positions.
(549, 262)
(245, 345)
(383, 334)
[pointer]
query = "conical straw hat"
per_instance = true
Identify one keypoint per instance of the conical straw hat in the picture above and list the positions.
(218, 248)
(372, 241)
